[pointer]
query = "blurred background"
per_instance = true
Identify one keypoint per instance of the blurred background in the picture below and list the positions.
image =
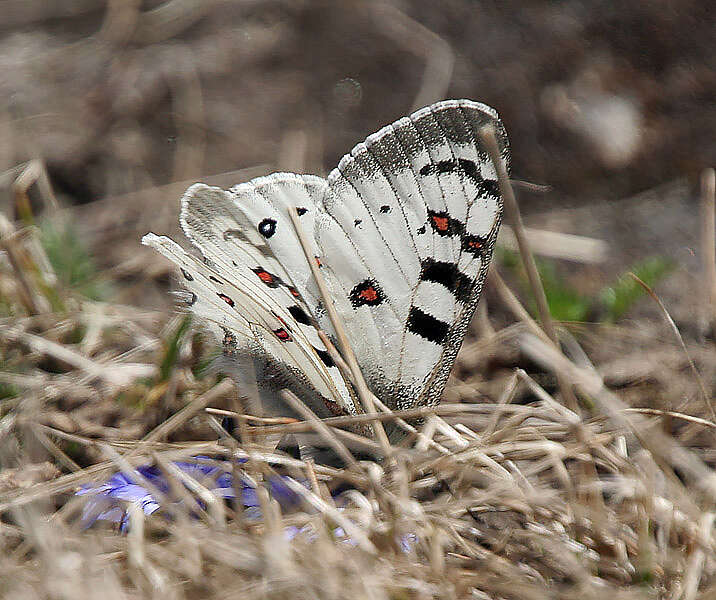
(121, 95)
(126, 102)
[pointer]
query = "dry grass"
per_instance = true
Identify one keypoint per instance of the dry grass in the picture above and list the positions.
(504, 494)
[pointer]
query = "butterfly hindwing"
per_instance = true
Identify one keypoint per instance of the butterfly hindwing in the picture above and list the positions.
(249, 318)
(425, 194)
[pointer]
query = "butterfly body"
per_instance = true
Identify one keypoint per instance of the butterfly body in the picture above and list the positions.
(403, 231)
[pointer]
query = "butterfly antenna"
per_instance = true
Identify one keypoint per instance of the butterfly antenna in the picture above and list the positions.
(366, 397)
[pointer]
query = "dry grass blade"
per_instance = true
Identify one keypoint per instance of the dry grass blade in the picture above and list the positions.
(513, 304)
(18, 259)
(320, 427)
(694, 569)
(408, 428)
(552, 244)
(489, 139)
(361, 387)
(355, 533)
(34, 172)
(222, 389)
(677, 335)
(113, 373)
(672, 413)
(708, 241)
(422, 412)
(662, 446)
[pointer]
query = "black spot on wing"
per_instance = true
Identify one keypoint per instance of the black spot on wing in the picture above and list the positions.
(299, 314)
(448, 275)
(267, 227)
(474, 244)
(426, 326)
(385, 208)
(215, 280)
(446, 166)
(187, 275)
(301, 211)
(489, 188)
(325, 357)
(470, 169)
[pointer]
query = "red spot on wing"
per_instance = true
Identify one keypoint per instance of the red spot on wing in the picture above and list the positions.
(294, 291)
(226, 299)
(265, 276)
(282, 334)
(441, 223)
(318, 261)
(369, 294)
(366, 293)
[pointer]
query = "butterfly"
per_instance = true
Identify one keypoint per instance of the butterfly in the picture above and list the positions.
(403, 231)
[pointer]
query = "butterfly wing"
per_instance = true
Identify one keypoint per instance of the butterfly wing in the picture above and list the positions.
(409, 221)
(252, 318)
(404, 229)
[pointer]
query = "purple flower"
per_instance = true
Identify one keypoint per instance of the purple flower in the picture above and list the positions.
(108, 501)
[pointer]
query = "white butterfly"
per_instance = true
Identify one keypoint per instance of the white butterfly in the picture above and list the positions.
(403, 231)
